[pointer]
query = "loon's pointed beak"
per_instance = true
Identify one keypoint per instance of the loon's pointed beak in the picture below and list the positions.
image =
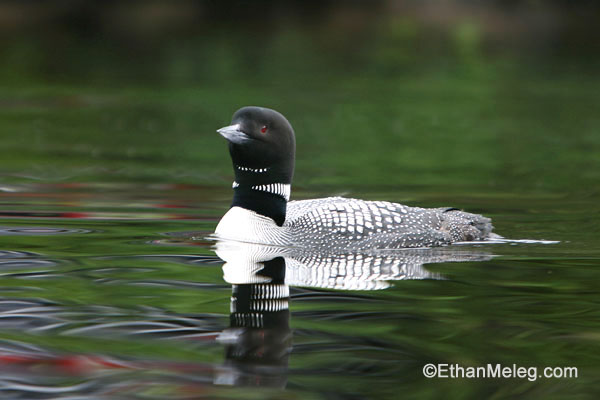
(233, 134)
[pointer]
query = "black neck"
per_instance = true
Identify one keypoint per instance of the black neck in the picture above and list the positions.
(264, 203)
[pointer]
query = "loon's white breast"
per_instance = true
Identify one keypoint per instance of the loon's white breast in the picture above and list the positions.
(248, 226)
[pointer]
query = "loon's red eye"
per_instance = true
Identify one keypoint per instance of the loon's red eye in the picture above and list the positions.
(264, 129)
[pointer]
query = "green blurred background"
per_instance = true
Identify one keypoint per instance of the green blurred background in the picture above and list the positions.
(500, 95)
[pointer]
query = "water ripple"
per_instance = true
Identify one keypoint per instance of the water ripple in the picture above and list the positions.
(16, 254)
(35, 315)
(39, 231)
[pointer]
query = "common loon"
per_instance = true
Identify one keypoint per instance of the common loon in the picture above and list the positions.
(262, 146)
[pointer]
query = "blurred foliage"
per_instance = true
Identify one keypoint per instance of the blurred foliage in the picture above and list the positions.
(464, 94)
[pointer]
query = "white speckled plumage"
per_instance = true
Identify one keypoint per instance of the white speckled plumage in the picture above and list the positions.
(342, 223)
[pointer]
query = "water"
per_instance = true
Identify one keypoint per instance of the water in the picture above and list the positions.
(111, 290)
(112, 176)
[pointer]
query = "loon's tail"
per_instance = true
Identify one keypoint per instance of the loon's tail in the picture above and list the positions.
(483, 224)
(464, 226)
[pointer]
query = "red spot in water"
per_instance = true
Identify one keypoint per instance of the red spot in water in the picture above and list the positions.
(73, 365)
(12, 358)
(74, 215)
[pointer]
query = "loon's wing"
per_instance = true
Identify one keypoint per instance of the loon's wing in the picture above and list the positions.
(341, 223)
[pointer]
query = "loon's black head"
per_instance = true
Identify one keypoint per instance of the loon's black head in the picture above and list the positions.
(262, 148)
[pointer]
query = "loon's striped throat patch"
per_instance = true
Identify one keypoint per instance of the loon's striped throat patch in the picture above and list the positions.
(280, 189)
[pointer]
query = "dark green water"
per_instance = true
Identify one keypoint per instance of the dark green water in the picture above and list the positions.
(104, 175)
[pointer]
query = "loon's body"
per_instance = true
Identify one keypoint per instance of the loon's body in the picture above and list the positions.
(262, 148)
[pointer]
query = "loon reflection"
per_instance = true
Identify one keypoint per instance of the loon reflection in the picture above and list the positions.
(259, 339)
